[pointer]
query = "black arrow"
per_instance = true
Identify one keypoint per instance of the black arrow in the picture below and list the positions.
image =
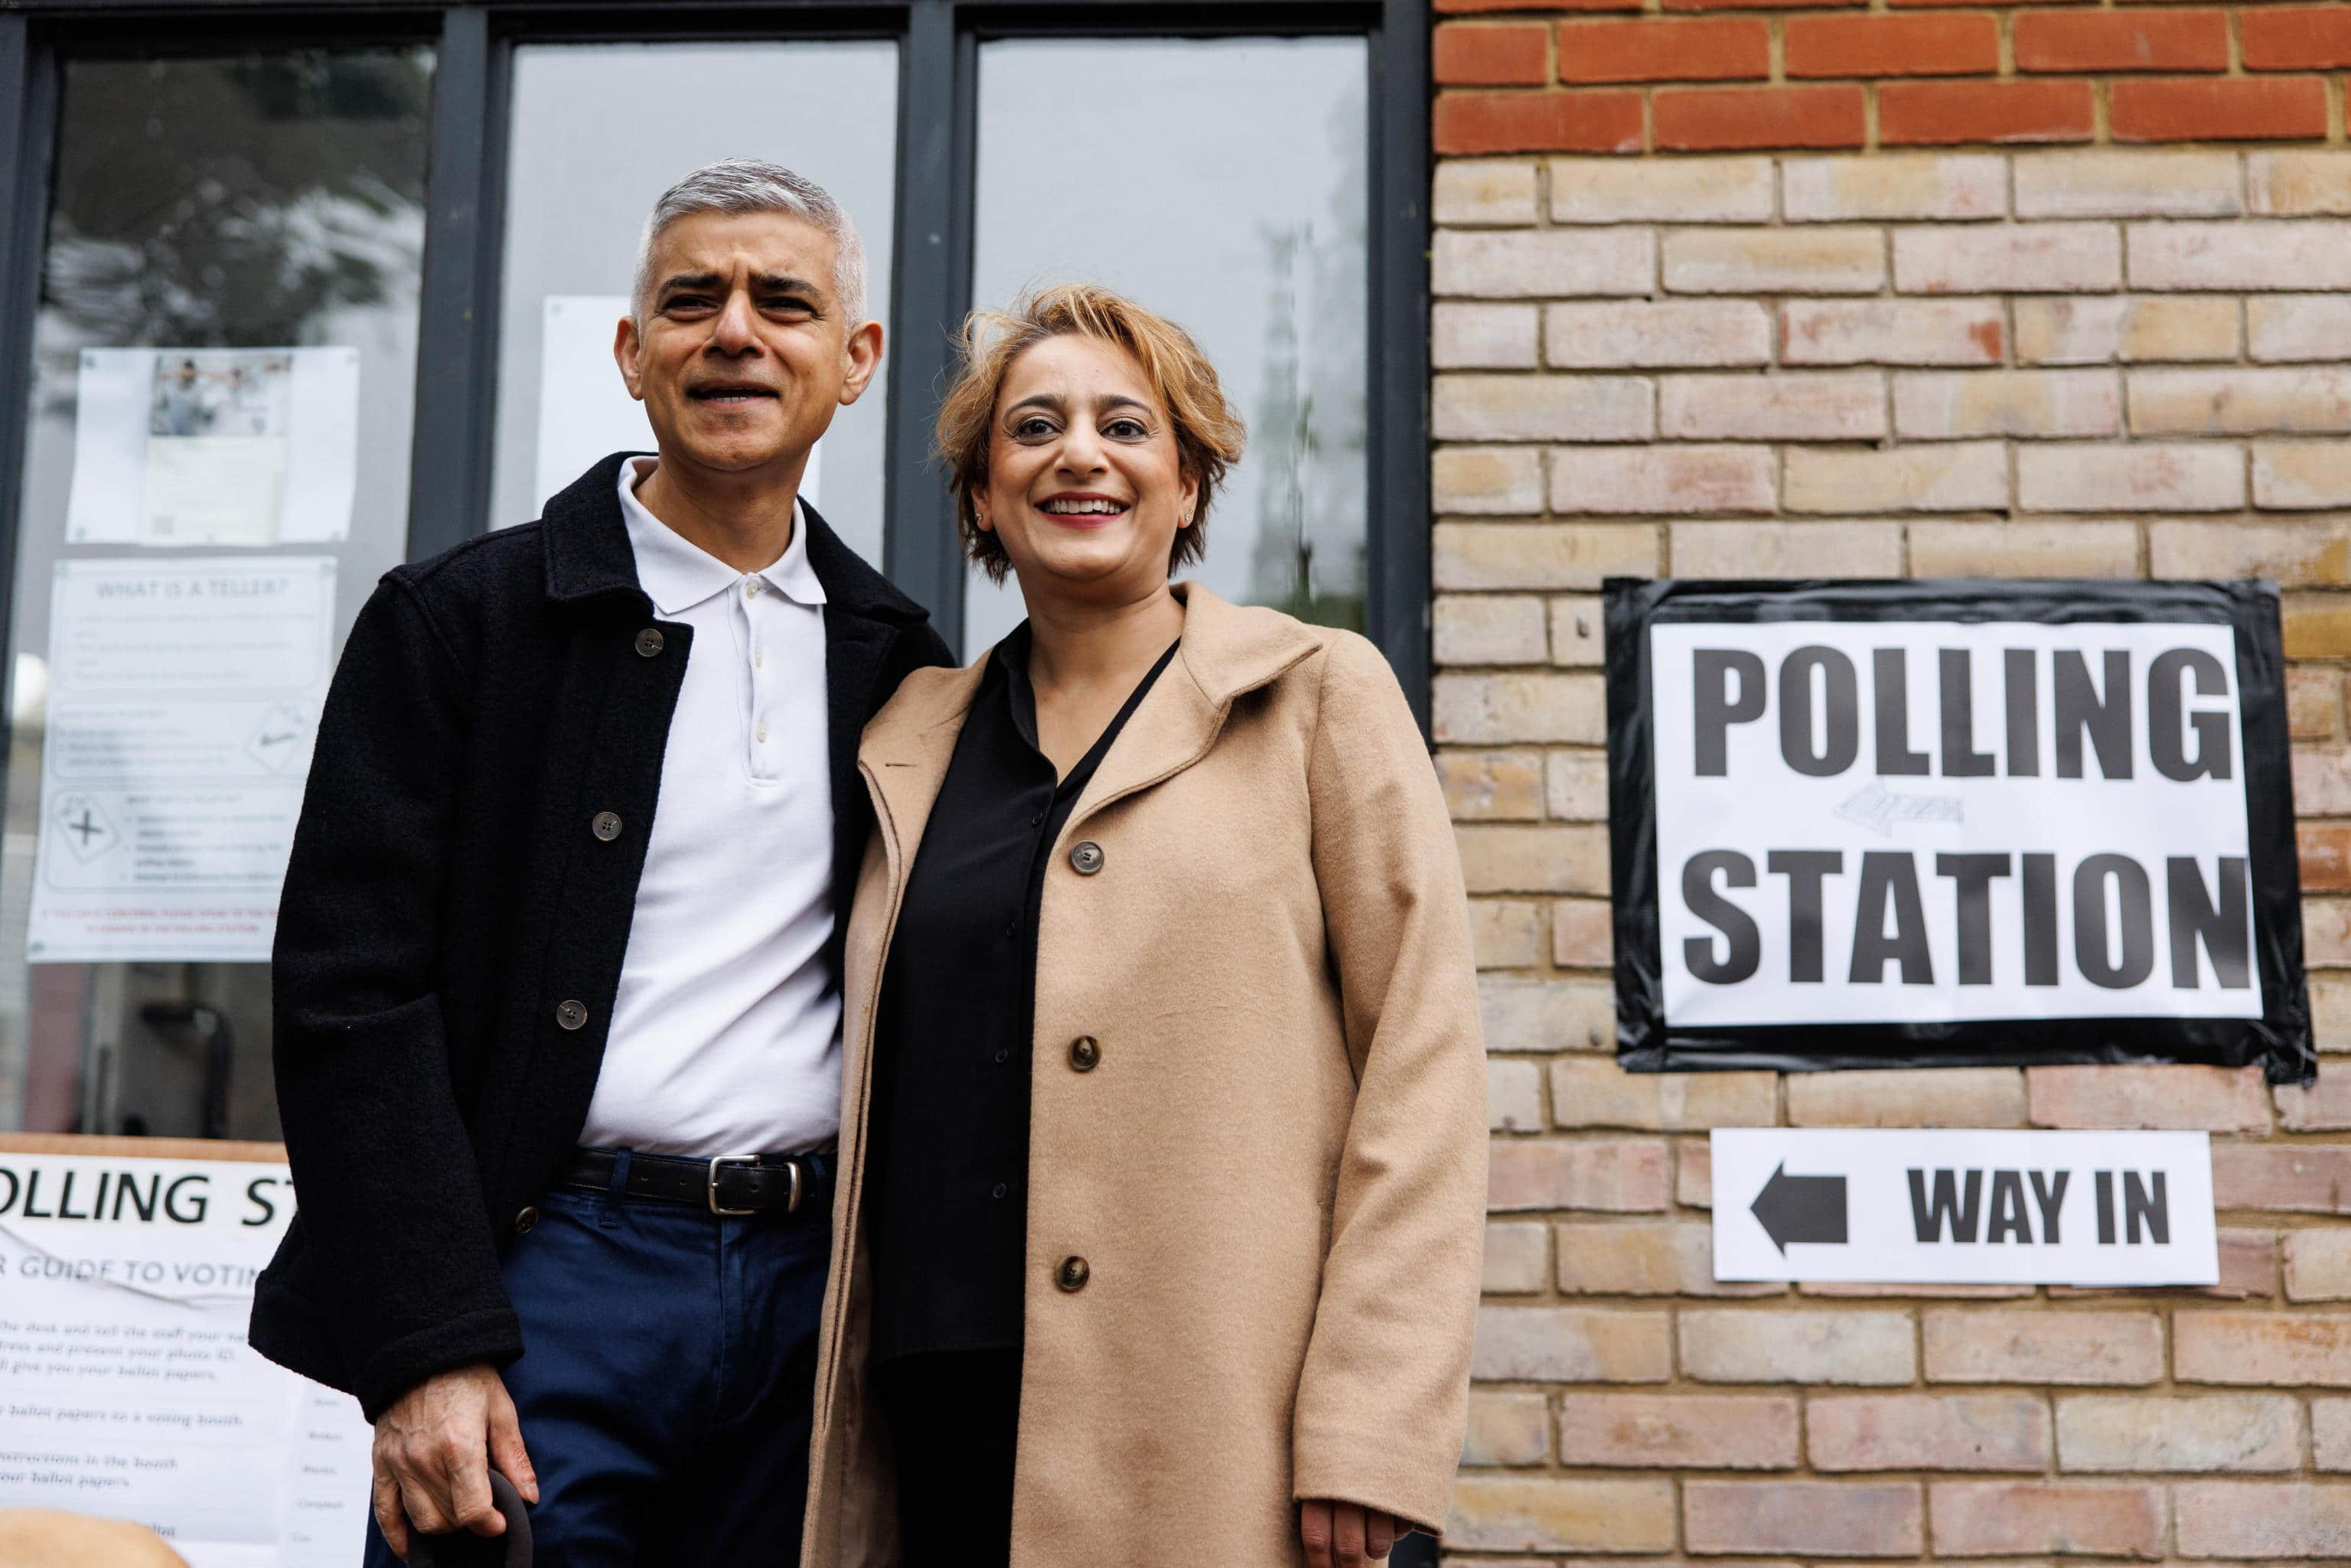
(1801, 1209)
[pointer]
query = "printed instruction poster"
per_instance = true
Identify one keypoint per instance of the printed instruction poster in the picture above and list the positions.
(182, 701)
(174, 447)
(129, 1391)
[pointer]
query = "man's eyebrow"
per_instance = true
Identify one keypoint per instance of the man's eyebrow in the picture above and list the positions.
(784, 283)
(678, 280)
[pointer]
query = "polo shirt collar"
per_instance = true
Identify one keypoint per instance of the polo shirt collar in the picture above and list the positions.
(678, 574)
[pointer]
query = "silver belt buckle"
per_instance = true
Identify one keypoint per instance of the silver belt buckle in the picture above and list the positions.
(743, 1160)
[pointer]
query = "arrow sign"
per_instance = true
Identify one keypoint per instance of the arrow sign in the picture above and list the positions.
(1801, 1209)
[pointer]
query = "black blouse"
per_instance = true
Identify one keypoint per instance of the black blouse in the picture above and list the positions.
(948, 1178)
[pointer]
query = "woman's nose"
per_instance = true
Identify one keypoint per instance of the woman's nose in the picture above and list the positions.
(1082, 451)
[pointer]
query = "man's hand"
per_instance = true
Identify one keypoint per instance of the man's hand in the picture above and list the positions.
(1346, 1534)
(434, 1450)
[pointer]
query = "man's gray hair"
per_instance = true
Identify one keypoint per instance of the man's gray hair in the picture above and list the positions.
(749, 185)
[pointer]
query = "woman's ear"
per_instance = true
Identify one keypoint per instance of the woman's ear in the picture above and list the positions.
(1190, 506)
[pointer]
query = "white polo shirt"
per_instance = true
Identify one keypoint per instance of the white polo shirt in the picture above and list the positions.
(725, 1035)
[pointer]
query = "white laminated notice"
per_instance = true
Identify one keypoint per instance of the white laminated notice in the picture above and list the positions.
(182, 698)
(131, 1393)
(174, 447)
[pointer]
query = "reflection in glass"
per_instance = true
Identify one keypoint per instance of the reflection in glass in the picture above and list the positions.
(261, 201)
(1227, 192)
(584, 171)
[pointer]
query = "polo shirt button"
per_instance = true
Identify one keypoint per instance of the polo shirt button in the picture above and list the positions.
(1072, 1274)
(572, 1015)
(650, 643)
(525, 1220)
(1085, 1053)
(1086, 858)
(607, 826)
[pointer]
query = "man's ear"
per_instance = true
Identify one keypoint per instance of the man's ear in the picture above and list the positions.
(862, 355)
(625, 348)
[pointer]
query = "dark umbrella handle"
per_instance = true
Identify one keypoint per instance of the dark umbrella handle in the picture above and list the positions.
(444, 1551)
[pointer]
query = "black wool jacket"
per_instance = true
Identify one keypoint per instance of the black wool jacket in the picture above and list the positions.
(447, 896)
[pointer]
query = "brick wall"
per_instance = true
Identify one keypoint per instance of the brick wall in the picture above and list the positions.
(1730, 291)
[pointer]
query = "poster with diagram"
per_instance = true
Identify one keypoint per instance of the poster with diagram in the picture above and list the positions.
(182, 698)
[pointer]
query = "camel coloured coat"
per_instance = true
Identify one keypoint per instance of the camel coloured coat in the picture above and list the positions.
(1276, 1170)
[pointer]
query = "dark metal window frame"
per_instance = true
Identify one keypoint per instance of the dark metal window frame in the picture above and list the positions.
(456, 372)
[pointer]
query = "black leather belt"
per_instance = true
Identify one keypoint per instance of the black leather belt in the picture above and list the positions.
(729, 1183)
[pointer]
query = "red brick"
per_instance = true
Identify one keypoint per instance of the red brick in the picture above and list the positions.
(1538, 123)
(1947, 46)
(1826, 1519)
(2107, 1518)
(2321, 1107)
(2239, 111)
(2305, 1178)
(1518, 55)
(2251, 1348)
(1701, 119)
(2264, 1520)
(1728, 48)
(2120, 41)
(2314, 38)
(2326, 853)
(1760, 4)
(1696, 1431)
(1459, 7)
(1928, 1432)
(1948, 113)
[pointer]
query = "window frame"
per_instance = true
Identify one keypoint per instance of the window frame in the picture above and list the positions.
(457, 336)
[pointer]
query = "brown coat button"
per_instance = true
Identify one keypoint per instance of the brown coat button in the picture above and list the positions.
(525, 1220)
(1085, 1053)
(572, 1015)
(1086, 857)
(650, 643)
(1071, 1274)
(607, 826)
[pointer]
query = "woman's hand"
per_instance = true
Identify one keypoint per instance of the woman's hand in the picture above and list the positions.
(1345, 1535)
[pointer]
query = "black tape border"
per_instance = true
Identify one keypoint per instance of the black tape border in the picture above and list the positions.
(2279, 1041)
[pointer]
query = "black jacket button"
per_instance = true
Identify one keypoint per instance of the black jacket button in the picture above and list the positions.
(607, 826)
(572, 1015)
(1086, 857)
(525, 1220)
(1071, 1275)
(650, 642)
(1085, 1053)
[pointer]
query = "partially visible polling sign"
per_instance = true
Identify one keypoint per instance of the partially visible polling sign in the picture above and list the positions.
(1911, 823)
(1913, 1206)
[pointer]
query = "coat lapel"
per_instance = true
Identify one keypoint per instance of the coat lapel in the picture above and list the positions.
(1226, 650)
(906, 751)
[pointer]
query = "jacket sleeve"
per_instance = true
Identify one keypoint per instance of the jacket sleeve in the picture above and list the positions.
(384, 1171)
(1383, 1399)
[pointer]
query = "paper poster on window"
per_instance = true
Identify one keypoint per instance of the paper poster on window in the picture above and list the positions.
(182, 698)
(125, 1285)
(1945, 822)
(585, 411)
(175, 448)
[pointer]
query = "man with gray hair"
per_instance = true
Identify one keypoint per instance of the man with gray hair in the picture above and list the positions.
(558, 984)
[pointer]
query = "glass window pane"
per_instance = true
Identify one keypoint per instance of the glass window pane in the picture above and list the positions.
(1229, 196)
(583, 171)
(256, 201)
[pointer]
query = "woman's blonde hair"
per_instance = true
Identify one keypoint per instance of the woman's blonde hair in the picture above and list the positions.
(1209, 434)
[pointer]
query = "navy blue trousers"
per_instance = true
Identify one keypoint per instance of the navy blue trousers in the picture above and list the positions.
(666, 1385)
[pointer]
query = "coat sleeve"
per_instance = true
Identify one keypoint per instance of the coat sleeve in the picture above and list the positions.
(1383, 1399)
(388, 1190)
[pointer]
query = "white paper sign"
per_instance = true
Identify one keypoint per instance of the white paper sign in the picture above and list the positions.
(130, 1392)
(1919, 821)
(184, 695)
(1888, 1206)
(214, 446)
(585, 411)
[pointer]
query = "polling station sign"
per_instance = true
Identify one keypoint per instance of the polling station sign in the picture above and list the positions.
(1989, 1208)
(1920, 823)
